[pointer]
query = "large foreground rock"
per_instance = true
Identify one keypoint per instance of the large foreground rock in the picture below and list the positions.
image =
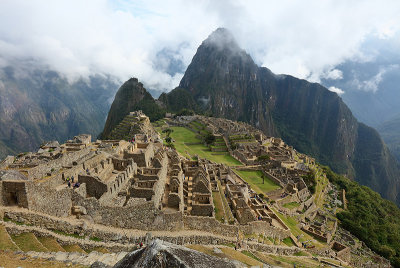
(164, 254)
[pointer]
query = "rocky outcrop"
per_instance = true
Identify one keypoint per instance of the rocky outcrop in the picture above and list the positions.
(131, 96)
(163, 254)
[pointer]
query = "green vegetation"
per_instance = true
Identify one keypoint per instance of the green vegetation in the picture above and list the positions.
(371, 218)
(310, 180)
(291, 205)
(186, 143)
(209, 138)
(186, 112)
(177, 100)
(291, 222)
(254, 178)
(7, 219)
(5, 240)
(50, 243)
(263, 157)
(28, 242)
(227, 209)
(288, 242)
(219, 210)
(75, 235)
(96, 239)
(300, 253)
(98, 249)
(73, 248)
(251, 255)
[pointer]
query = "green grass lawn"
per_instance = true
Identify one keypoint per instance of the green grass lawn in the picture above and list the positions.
(28, 242)
(256, 182)
(288, 242)
(291, 205)
(50, 243)
(182, 136)
(73, 248)
(5, 240)
(219, 210)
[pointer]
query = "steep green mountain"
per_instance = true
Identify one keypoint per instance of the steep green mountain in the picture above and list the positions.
(131, 96)
(38, 105)
(224, 80)
(390, 132)
(177, 100)
(371, 218)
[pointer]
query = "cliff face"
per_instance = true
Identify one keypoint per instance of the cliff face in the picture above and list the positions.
(224, 80)
(39, 105)
(131, 96)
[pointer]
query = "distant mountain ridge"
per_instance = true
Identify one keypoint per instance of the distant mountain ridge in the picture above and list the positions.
(224, 81)
(37, 105)
(390, 132)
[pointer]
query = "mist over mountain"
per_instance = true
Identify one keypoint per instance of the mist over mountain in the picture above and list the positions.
(38, 104)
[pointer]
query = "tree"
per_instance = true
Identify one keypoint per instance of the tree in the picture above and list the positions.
(263, 177)
(210, 138)
(263, 157)
(168, 131)
(168, 139)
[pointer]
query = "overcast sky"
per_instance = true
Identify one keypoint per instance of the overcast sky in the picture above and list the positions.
(123, 38)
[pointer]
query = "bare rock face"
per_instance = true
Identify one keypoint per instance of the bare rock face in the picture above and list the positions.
(164, 254)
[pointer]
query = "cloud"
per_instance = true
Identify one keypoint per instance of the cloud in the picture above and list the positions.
(334, 74)
(372, 84)
(126, 38)
(336, 90)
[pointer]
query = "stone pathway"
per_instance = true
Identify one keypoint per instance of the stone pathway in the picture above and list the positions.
(79, 258)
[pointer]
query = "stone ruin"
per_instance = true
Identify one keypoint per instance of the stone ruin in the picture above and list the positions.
(137, 184)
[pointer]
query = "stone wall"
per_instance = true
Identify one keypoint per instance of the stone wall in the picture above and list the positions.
(260, 227)
(174, 200)
(209, 224)
(109, 235)
(142, 159)
(136, 217)
(66, 160)
(94, 186)
(50, 201)
(15, 193)
(159, 187)
(202, 209)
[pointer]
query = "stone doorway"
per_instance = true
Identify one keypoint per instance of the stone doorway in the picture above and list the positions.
(11, 199)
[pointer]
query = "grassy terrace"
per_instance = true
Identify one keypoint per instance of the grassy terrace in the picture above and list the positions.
(291, 222)
(219, 210)
(291, 205)
(5, 240)
(183, 137)
(256, 182)
(28, 242)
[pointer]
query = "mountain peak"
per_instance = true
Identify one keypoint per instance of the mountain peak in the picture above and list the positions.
(222, 38)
